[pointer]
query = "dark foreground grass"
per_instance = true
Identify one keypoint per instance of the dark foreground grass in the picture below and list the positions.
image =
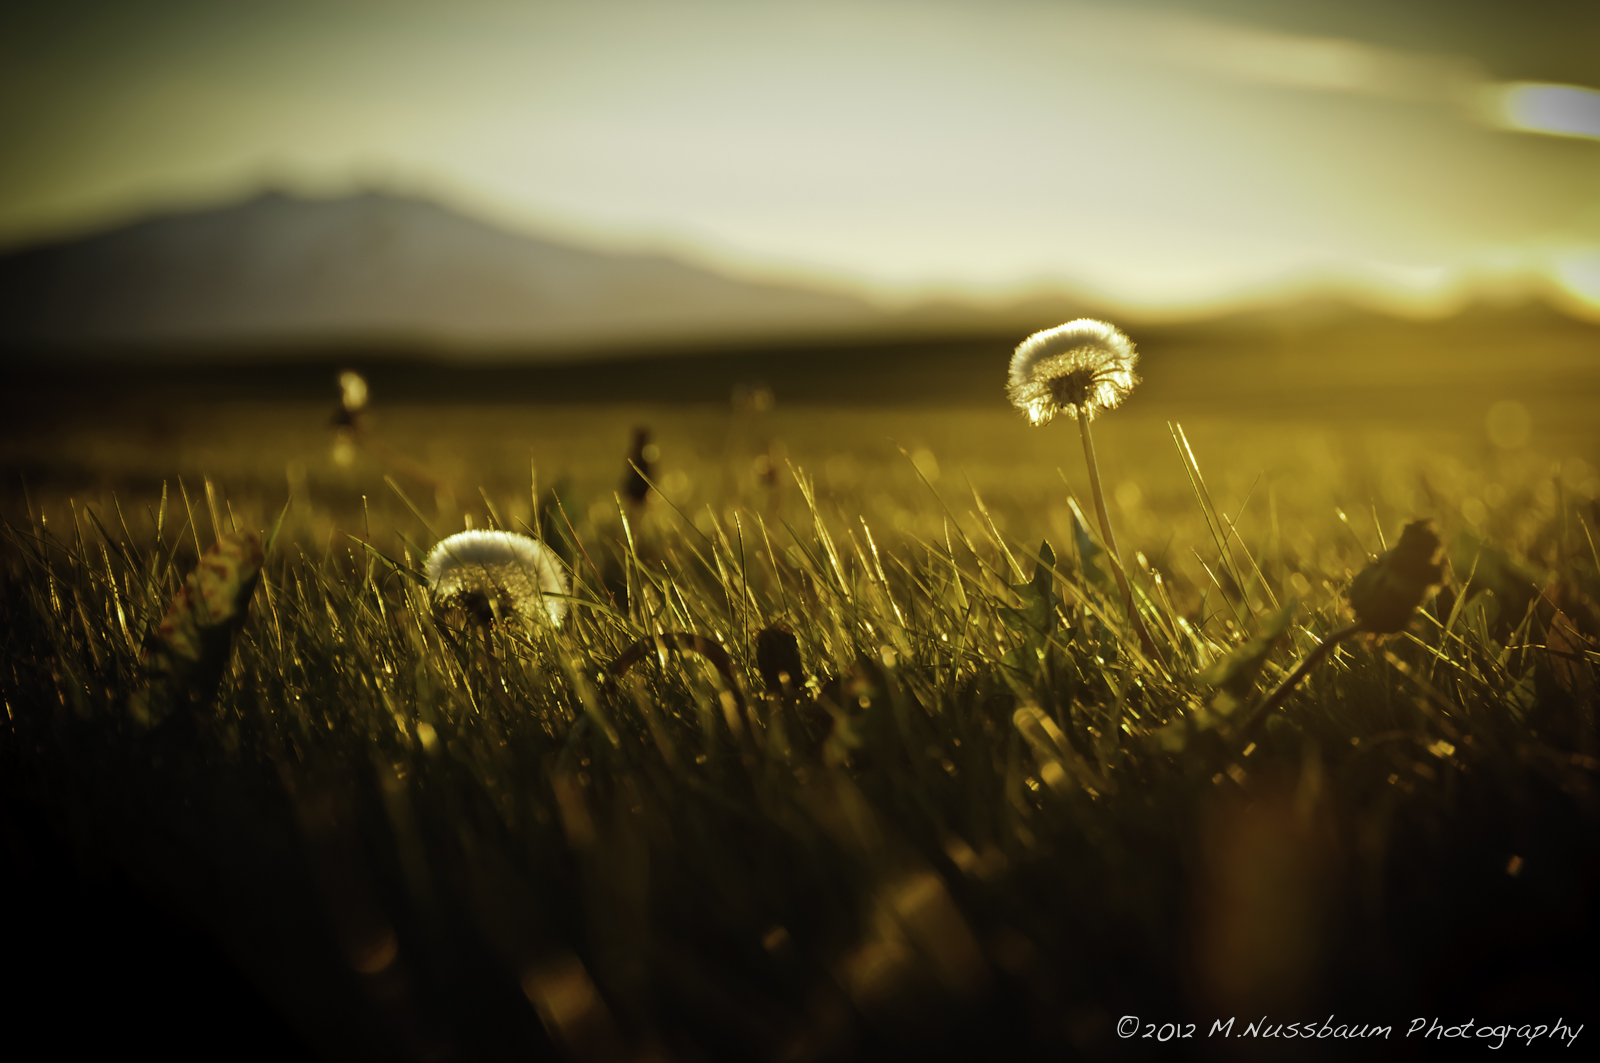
(977, 819)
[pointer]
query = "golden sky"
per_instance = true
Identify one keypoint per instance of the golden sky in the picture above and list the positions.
(1161, 158)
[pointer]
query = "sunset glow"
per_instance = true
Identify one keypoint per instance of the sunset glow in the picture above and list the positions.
(1558, 110)
(1163, 161)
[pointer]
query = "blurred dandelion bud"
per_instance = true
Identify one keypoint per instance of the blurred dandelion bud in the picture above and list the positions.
(352, 400)
(1084, 365)
(642, 456)
(347, 416)
(753, 398)
(1388, 591)
(352, 391)
(496, 573)
(778, 659)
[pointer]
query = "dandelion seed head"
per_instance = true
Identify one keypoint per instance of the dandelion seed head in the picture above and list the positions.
(513, 571)
(1085, 364)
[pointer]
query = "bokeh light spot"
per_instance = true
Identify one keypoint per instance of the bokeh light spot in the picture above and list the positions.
(1509, 424)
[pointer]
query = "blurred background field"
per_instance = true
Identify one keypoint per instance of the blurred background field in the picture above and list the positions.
(1483, 423)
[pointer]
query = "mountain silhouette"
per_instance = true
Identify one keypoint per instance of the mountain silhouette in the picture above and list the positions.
(378, 268)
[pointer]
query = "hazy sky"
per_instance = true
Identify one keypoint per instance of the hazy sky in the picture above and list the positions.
(1162, 156)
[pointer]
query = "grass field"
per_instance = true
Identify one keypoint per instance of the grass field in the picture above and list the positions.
(982, 818)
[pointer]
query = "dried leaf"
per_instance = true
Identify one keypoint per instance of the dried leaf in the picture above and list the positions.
(186, 655)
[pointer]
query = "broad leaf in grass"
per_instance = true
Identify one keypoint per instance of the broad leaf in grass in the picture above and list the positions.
(1234, 675)
(1037, 613)
(856, 701)
(1523, 697)
(1482, 618)
(1035, 618)
(1092, 557)
(1493, 571)
(1568, 651)
(184, 658)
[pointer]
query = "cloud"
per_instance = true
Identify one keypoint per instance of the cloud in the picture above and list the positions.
(1292, 61)
(1327, 64)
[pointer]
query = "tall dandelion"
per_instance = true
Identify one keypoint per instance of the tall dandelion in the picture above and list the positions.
(1080, 368)
(497, 573)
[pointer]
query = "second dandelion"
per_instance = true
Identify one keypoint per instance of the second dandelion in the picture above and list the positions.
(1082, 368)
(497, 573)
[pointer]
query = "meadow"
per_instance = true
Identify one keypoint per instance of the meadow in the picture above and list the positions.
(972, 815)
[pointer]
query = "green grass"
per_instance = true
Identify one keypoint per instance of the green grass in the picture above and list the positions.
(986, 820)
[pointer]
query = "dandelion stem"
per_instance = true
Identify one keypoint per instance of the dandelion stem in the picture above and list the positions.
(1106, 533)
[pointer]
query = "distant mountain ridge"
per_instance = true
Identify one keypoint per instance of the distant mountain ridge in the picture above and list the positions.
(380, 268)
(385, 273)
